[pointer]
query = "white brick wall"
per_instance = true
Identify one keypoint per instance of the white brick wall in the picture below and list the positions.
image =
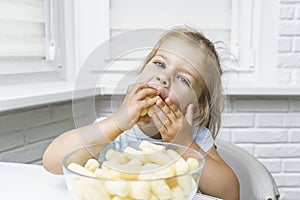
(297, 45)
(269, 129)
(289, 68)
(25, 133)
(289, 42)
(287, 12)
(285, 44)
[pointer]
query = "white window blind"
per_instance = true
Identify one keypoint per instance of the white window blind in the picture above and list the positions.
(30, 37)
(37, 52)
(22, 25)
(212, 17)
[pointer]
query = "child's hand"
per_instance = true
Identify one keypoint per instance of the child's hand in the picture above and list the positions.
(138, 96)
(172, 124)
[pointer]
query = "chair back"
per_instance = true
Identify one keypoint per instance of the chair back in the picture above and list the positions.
(256, 182)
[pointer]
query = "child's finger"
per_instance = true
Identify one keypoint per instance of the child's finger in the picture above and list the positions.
(174, 108)
(166, 109)
(146, 92)
(149, 101)
(159, 125)
(163, 106)
(134, 88)
(161, 116)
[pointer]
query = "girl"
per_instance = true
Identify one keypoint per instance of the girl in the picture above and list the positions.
(181, 81)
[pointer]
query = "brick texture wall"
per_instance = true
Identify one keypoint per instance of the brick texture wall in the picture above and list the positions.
(24, 134)
(289, 42)
(269, 129)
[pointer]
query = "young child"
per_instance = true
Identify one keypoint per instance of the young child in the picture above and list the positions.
(181, 83)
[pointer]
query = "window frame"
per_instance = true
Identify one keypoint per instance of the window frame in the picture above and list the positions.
(259, 47)
(80, 37)
(52, 63)
(261, 76)
(35, 86)
(257, 73)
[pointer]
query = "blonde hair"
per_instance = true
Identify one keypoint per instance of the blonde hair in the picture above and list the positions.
(211, 100)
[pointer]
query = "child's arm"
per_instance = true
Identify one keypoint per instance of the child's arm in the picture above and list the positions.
(217, 177)
(104, 131)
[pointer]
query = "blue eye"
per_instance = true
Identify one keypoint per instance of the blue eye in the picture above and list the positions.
(160, 64)
(184, 80)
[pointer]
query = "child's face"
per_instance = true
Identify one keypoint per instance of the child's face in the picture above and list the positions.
(174, 71)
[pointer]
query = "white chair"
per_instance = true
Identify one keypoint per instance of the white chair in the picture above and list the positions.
(256, 182)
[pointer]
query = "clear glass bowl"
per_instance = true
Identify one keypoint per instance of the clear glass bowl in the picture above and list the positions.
(127, 183)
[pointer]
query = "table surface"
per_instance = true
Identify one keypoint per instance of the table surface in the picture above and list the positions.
(32, 182)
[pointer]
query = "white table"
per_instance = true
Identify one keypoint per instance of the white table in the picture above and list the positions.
(33, 182)
(25, 182)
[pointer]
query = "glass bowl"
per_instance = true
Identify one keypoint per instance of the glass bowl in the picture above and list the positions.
(133, 170)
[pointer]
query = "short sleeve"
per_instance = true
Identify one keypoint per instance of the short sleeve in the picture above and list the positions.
(203, 138)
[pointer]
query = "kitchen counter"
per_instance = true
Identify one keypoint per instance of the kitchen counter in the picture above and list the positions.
(33, 182)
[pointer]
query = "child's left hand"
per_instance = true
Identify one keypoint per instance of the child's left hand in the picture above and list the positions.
(172, 124)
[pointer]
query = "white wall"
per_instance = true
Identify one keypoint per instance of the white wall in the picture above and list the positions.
(289, 42)
(267, 127)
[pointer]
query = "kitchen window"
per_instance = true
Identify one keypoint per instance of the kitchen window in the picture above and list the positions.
(254, 42)
(212, 17)
(248, 29)
(31, 40)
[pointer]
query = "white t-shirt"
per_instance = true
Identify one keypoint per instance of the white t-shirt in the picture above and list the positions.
(201, 136)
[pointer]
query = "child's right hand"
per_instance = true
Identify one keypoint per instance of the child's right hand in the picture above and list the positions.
(136, 99)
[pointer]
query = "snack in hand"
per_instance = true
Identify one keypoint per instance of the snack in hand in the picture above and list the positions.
(147, 111)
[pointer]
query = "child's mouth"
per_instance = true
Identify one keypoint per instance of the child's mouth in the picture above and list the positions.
(163, 92)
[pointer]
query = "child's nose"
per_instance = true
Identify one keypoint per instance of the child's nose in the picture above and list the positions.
(161, 79)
